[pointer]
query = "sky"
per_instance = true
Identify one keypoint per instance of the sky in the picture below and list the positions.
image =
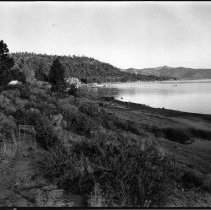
(124, 34)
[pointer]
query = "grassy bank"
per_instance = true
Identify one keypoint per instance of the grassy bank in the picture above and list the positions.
(110, 152)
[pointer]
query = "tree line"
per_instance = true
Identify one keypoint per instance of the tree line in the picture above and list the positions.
(84, 68)
(27, 67)
(7, 70)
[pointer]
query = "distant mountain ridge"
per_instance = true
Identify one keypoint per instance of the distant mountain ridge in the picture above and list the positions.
(173, 72)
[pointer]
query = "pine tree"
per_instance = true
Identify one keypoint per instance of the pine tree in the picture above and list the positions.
(6, 63)
(56, 76)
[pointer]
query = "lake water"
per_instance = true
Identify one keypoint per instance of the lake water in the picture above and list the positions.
(189, 96)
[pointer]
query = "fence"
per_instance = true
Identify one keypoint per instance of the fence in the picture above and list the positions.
(26, 129)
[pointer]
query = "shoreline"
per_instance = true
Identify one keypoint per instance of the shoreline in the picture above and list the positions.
(116, 84)
(154, 81)
(165, 112)
(162, 110)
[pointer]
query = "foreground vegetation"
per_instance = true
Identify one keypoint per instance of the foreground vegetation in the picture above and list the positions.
(96, 151)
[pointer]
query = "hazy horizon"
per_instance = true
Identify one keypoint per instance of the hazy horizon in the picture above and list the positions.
(124, 34)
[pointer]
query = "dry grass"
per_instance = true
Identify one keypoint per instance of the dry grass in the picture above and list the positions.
(207, 182)
(111, 175)
(96, 198)
(194, 177)
(8, 150)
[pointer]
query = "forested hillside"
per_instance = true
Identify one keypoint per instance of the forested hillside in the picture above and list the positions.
(38, 66)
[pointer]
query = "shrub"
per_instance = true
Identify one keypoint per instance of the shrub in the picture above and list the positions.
(60, 167)
(129, 126)
(4, 101)
(24, 92)
(73, 90)
(200, 133)
(193, 177)
(181, 135)
(7, 126)
(45, 134)
(108, 120)
(83, 124)
(124, 176)
(77, 121)
(11, 93)
(68, 109)
(7, 105)
(19, 115)
(69, 112)
(91, 109)
(47, 109)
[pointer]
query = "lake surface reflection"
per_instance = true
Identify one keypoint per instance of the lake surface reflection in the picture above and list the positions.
(189, 96)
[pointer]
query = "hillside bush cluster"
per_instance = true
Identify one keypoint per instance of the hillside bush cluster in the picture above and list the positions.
(126, 176)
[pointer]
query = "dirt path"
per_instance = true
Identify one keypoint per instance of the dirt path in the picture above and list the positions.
(21, 184)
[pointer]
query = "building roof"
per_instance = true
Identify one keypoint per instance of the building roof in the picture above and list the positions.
(14, 82)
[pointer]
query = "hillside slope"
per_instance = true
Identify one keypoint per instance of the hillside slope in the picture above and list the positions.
(38, 65)
(99, 152)
(177, 72)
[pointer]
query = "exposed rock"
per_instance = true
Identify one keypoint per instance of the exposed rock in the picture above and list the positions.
(56, 194)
